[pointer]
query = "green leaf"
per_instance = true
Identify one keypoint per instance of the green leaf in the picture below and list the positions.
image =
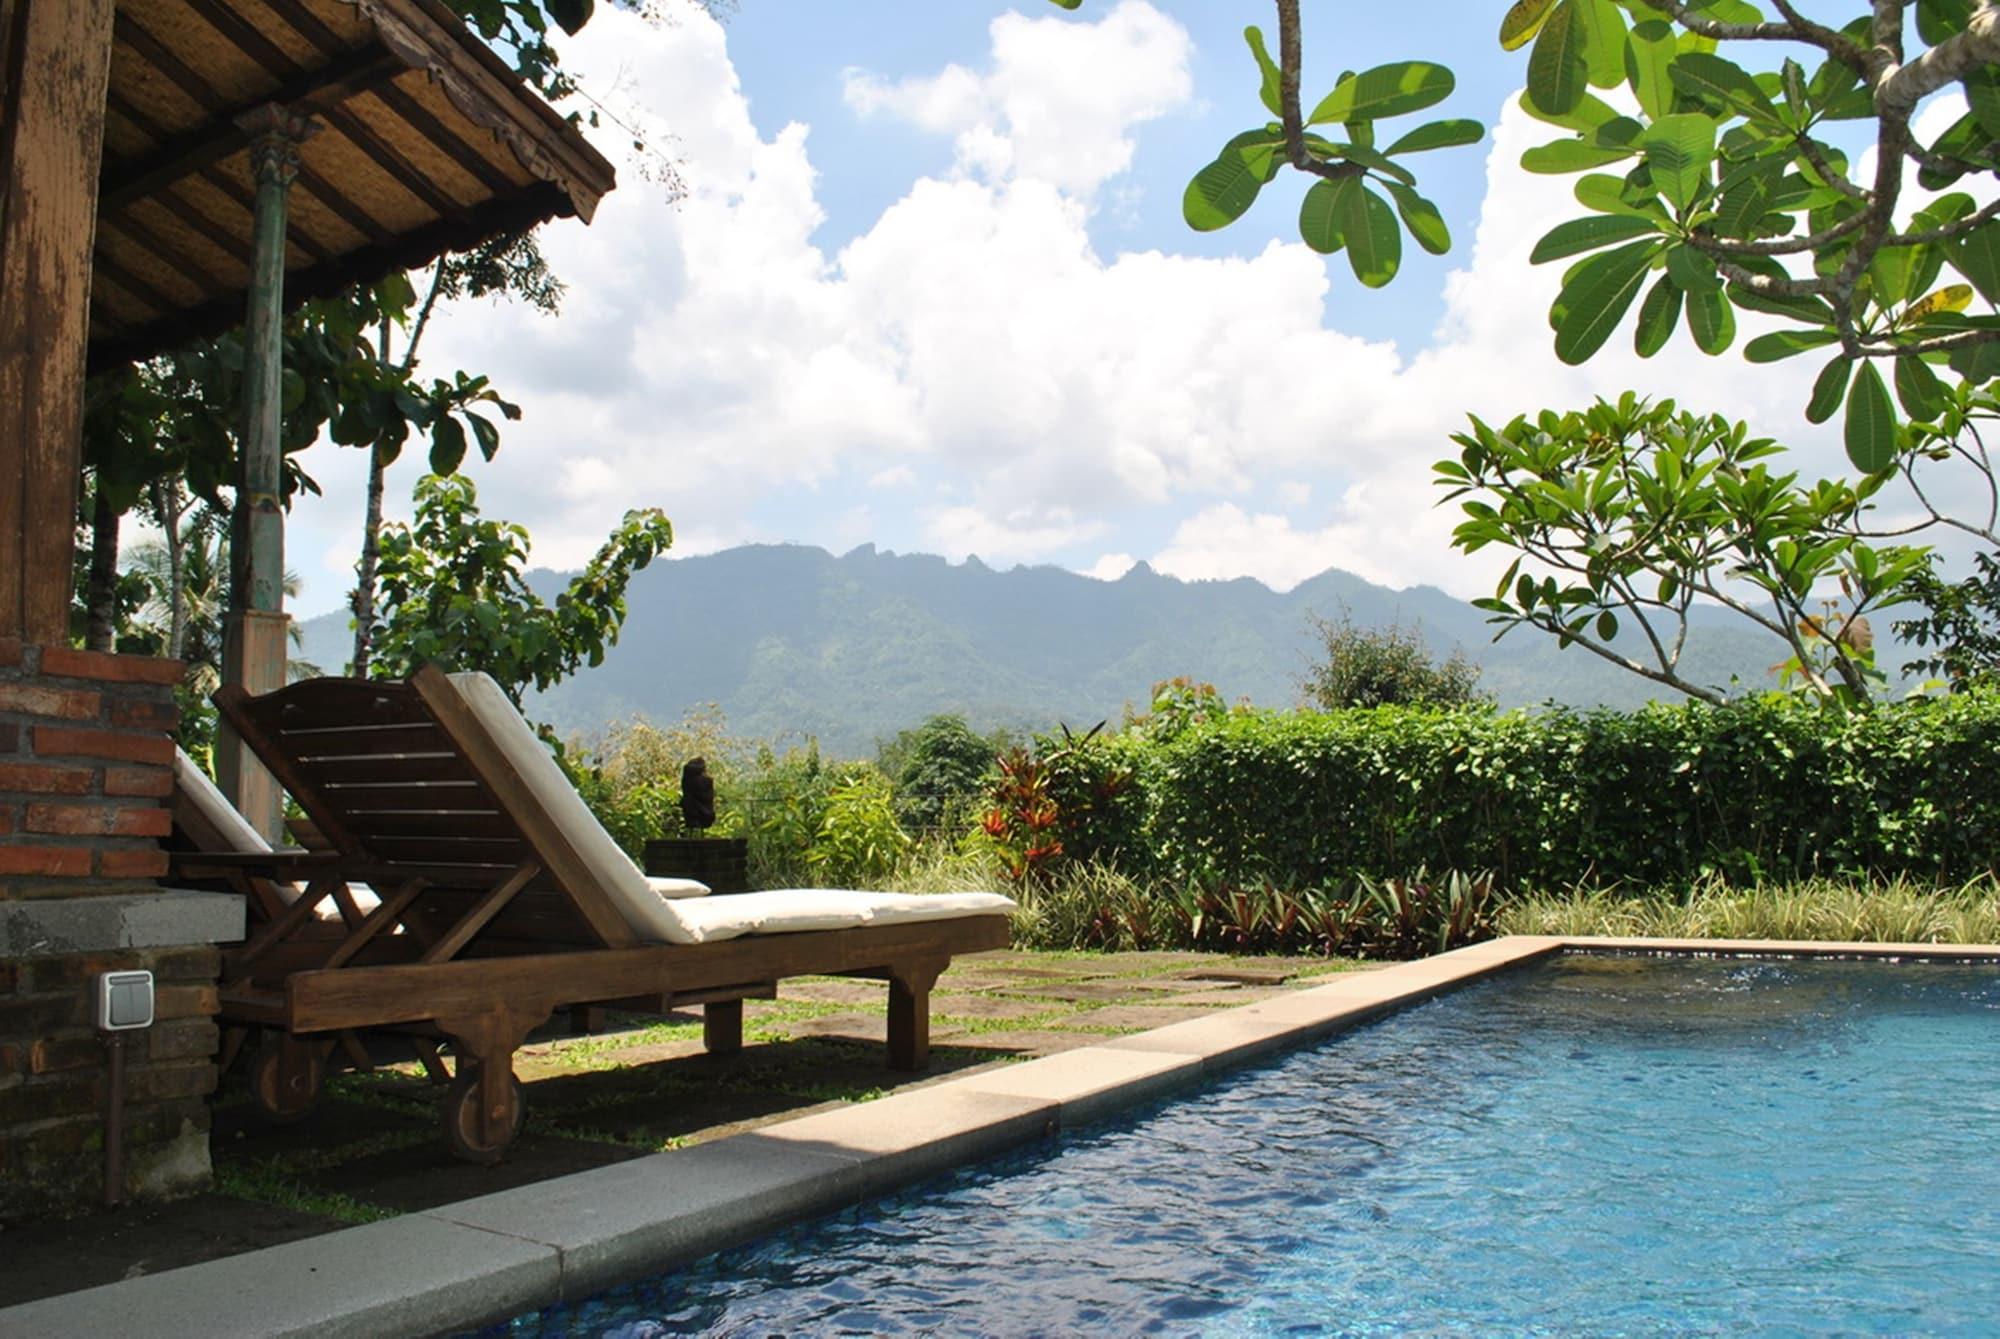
(1678, 150)
(1569, 155)
(1702, 75)
(485, 434)
(1387, 90)
(1270, 77)
(1871, 422)
(1603, 29)
(1610, 195)
(1522, 21)
(1367, 157)
(1982, 93)
(1782, 344)
(1939, 19)
(1923, 396)
(571, 15)
(1590, 113)
(1557, 71)
(1221, 192)
(1828, 388)
(1374, 243)
(1422, 219)
(1977, 256)
(1747, 194)
(1711, 320)
(1439, 135)
(1649, 51)
(1658, 315)
(447, 445)
(1890, 272)
(1809, 309)
(1587, 234)
(1596, 298)
(1320, 215)
(1692, 270)
(1607, 626)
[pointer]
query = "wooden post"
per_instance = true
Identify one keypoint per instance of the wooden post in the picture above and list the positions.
(255, 639)
(55, 61)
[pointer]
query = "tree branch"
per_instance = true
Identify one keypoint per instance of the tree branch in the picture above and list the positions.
(1795, 28)
(1902, 87)
(1565, 637)
(1947, 231)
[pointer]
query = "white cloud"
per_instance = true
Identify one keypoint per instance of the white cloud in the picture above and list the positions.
(1111, 566)
(1022, 536)
(973, 343)
(1060, 101)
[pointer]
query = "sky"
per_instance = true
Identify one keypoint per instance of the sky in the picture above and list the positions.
(929, 288)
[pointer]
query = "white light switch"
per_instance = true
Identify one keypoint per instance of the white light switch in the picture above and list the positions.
(124, 1000)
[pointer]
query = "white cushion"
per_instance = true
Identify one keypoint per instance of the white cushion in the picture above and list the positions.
(664, 886)
(675, 913)
(608, 865)
(788, 910)
(198, 790)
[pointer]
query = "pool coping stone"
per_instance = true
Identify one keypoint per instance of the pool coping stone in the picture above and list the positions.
(478, 1261)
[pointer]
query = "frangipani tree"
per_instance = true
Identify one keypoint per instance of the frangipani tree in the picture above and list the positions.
(1721, 154)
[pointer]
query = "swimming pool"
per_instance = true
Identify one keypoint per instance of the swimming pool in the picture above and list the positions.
(1594, 1144)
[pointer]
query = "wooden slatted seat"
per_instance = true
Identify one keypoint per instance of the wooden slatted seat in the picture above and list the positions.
(502, 900)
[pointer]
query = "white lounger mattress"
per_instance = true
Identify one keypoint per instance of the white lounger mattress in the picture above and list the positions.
(704, 920)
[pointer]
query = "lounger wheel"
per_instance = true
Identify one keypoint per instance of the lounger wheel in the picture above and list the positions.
(286, 1079)
(465, 1132)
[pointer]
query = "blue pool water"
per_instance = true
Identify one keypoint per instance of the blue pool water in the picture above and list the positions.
(1595, 1145)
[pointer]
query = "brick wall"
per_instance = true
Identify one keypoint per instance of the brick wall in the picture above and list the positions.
(85, 776)
(85, 769)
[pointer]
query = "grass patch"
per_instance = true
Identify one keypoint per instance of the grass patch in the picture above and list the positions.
(268, 1181)
(1898, 911)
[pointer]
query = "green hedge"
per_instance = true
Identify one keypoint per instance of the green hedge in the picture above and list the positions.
(1768, 788)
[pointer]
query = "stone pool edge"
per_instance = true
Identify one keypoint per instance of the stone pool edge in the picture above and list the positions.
(483, 1260)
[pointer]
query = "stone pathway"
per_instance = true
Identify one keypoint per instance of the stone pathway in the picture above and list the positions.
(372, 1148)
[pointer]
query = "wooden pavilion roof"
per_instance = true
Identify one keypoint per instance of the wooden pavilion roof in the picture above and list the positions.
(427, 143)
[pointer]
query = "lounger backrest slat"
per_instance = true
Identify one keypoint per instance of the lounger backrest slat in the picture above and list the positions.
(553, 840)
(386, 783)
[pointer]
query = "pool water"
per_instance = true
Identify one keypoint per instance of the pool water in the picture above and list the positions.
(1593, 1145)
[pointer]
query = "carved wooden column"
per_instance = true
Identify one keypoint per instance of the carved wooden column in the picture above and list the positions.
(55, 60)
(254, 643)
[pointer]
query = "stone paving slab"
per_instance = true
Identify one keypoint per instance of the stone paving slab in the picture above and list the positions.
(910, 1135)
(411, 1275)
(1082, 992)
(1130, 1017)
(983, 1006)
(870, 994)
(1246, 975)
(668, 1208)
(1026, 1041)
(1090, 1083)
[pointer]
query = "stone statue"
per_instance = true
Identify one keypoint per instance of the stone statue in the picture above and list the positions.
(697, 796)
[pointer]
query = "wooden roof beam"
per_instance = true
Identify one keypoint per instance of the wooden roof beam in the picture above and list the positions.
(216, 139)
(167, 198)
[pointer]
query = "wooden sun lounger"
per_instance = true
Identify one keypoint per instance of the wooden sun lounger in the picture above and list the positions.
(492, 915)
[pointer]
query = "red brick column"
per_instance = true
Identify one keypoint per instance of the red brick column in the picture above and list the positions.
(85, 776)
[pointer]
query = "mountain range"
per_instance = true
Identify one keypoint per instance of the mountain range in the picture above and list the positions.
(793, 641)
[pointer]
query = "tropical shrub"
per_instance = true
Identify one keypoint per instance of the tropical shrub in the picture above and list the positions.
(941, 771)
(858, 841)
(1765, 788)
(1371, 667)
